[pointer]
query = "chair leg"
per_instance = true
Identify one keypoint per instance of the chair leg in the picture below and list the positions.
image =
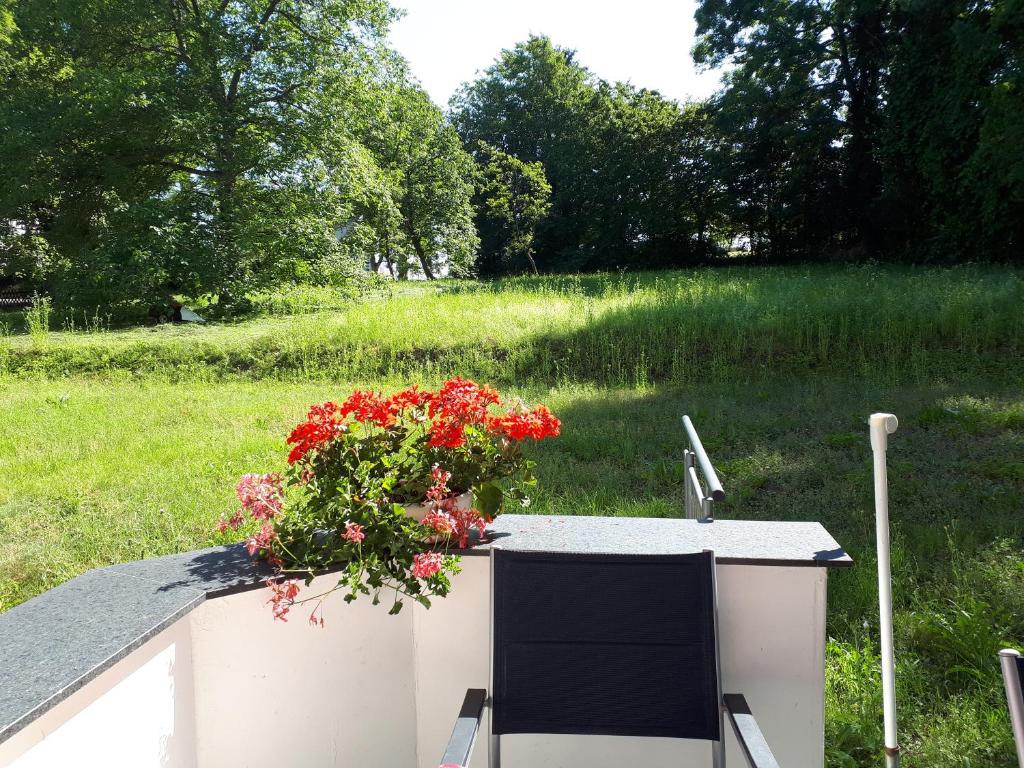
(718, 753)
(494, 751)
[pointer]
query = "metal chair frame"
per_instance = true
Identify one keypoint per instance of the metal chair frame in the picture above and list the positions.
(1013, 667)
(733, 705)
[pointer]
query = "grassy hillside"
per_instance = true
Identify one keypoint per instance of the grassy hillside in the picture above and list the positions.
(125, 444)
(704, 325)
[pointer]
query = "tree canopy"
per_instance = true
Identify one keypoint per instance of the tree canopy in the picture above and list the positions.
(213, 146)
(216, 146)
(872, 127)
(512, 198)
(619, 159)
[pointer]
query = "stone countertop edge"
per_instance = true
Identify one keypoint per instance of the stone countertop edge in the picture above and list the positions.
(93, 621)
(107, 613)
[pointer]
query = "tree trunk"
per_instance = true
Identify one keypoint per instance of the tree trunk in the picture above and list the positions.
(417, 246)
(422, 256)
(225, 242)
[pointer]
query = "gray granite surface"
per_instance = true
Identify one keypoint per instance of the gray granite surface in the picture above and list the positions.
(216, 571)
(57, 642)
(754, 542)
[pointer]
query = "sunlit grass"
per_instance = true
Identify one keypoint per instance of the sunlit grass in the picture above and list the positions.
(703, 325)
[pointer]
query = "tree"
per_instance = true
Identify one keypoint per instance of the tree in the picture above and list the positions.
(618, 160)
(953, 131)
(780, 165)
(432, 184)
(808, 78)
(532, 104)
(512, 197)
(190, 145)
(654, 199)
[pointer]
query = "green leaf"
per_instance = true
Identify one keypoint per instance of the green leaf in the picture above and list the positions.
(488, 498)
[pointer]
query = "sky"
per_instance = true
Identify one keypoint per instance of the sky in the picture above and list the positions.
(643, 42)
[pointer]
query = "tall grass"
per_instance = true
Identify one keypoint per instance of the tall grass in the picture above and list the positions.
(37, 321)
(705, 325)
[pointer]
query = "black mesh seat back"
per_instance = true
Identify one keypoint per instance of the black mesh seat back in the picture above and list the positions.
(605, 644)
(1020, 673)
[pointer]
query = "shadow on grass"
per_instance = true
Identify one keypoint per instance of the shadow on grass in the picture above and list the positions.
(788, 452)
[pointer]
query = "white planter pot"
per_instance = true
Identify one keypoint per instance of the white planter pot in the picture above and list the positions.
(418, 511)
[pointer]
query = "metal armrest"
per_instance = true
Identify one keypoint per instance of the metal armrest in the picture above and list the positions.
(460, 745)
(756, 749)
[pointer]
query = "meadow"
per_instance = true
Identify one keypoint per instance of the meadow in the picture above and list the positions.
(118, 444)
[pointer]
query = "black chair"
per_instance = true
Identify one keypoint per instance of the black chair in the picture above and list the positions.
(621, 645)
(1013, 672)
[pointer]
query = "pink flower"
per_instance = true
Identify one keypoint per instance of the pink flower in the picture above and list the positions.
(263, 538)
(353, 532)
(440, 521)
(426, 564)
(439, 490)
(283, 595)
(262, 495)
(465, 520)
(232, 523)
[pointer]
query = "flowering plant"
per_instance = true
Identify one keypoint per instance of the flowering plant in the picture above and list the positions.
(352, 467)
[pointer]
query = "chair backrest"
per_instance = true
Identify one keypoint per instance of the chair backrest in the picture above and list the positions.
(605, 644)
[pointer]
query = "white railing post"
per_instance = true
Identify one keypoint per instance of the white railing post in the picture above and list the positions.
(688, 493)
(883, 425)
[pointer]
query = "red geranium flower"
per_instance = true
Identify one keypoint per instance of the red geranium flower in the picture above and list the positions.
(413, 397)
(537, 424)
(459, 403)
(322, 423)
(368, 406)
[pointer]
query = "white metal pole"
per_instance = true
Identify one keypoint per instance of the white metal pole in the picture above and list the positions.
(883, 425)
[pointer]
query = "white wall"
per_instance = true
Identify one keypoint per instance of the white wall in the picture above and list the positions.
(137, 714)
(229, 687)
(270, 694)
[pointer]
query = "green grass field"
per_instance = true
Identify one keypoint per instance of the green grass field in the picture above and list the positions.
(123, 444)
(628, 330)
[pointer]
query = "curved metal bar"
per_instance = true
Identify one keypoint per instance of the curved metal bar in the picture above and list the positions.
(715, 490)
(460, 745)
(748, 733)
(1010, 661)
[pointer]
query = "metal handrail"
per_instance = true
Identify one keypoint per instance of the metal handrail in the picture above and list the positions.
(715, 490)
